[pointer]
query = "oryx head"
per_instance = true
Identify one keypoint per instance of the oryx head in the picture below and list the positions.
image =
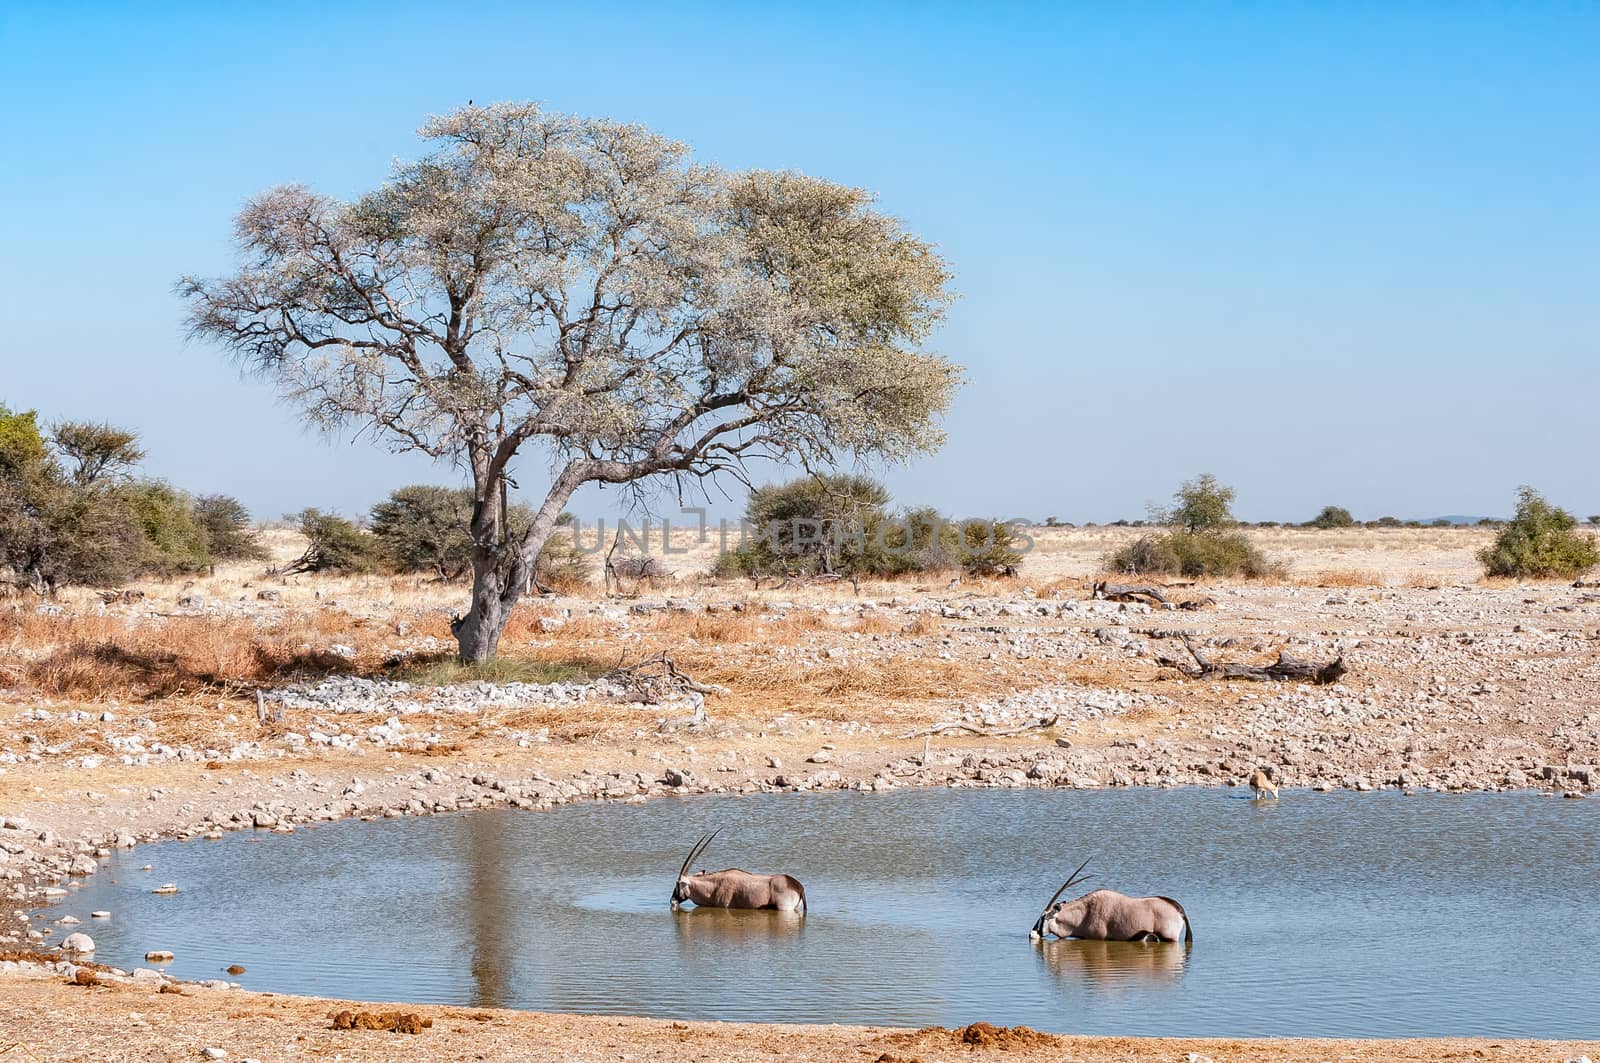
(680, 892)
(1046, 923)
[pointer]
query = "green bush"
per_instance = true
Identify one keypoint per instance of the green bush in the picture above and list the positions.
(53, 531)
(334, 544)
(1198, 542)
(1199, 505)
(226, 524)
(425, 528)
(174, 542)
(841, 524)
(1332, 517)
(1540, 541)
(561, 565)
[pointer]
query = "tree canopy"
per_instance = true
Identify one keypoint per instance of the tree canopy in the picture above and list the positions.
(584, 285)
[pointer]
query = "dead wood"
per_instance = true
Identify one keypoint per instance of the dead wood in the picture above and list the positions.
(1130, 592)
(943, 728)
(1285, 669)
(655, 679)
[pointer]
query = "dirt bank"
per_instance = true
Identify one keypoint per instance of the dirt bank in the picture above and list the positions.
(55, 1021)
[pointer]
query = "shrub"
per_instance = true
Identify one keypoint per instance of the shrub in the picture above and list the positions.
(1540, 541)
(561, 565)
(174, 542)
(987, 547)
(226, 524)
(1148, 555)
(1198, 542)
(424, 528)
(1332, 517)
(841, 525)
(98, 452)
(334, 544)
(54, 532)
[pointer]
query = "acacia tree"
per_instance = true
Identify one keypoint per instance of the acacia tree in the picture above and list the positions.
(582, 286)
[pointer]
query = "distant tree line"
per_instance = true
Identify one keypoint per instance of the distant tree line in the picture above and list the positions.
(72, 510)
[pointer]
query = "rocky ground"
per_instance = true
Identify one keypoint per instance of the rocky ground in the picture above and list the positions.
(1451, 686)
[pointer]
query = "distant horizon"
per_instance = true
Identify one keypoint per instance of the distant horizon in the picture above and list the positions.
(1333, 256)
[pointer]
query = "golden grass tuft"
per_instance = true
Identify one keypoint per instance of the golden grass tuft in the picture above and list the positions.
(1343, 577)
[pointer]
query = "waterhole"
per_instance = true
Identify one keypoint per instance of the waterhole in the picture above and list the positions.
(1320, 914)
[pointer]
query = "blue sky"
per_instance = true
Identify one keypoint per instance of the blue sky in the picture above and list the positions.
(1334, 253)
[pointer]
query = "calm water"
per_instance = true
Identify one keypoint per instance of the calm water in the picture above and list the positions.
(1333, 914)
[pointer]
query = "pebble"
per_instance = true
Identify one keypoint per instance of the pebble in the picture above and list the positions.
(158, 956)
(210, 1052)
(165, 887)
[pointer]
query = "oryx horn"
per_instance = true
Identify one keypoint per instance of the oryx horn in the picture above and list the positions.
(1072, 880)
(698, 848)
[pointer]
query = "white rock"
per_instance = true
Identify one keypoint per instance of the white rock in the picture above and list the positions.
(80, 944)
(99, 915)
(213, 1053)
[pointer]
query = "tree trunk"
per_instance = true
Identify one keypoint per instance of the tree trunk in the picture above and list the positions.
(500, 569)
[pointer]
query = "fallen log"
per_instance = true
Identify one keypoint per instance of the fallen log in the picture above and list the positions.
(1285, 669)
(1130, 592)
(942, 728)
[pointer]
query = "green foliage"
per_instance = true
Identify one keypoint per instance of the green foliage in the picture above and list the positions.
(97, 452)
(561, 565)
(54, 532)
(22, 445)
(226, 524)
(816, 524)
(424, 528)
(1198, 542)
(1541, 541)
(1200, 505)
(841, 524)
(174, 542)
(334, 544)
(1332, 517)
(987, 547)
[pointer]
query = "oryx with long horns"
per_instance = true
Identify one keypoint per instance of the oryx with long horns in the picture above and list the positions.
(734, 888)
(1106, 915)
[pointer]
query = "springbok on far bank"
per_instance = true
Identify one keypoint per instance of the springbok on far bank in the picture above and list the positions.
(734, 888)
(1106, 915)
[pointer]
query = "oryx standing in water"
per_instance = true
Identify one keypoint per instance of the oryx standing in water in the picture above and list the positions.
(734, 888)
(1106, 915)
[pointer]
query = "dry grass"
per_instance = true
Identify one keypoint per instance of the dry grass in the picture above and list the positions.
(1344, 577)
(100, 657)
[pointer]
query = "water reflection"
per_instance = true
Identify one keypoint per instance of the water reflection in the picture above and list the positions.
(488, 904)
(1116, 964)
(720, 927)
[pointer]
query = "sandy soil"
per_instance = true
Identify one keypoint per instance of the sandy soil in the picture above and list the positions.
(43, 1018)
